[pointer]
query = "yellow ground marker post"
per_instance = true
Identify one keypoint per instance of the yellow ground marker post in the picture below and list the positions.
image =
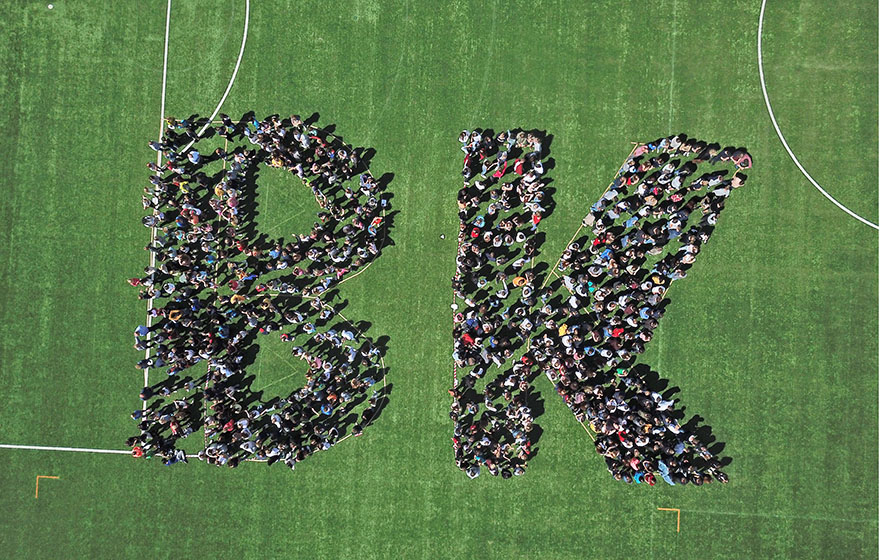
(678, 521)
(37, 493)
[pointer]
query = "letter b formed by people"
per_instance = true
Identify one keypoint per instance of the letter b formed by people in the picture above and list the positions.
(218, 288)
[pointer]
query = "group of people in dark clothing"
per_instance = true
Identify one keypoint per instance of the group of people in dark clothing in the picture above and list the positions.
(217, 285)
(594, 314)
(504, 198)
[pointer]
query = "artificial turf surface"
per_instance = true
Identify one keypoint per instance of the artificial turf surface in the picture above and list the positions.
(772, 338)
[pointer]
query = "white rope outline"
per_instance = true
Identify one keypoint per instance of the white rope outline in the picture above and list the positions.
(782, 138)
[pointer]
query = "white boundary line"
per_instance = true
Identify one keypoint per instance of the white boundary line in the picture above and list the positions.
(164, 72)
(247, 12)
(158, 162)
(247, 15)
(779, 132)
(75, 449)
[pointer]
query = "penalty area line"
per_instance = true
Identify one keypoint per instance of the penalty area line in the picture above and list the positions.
(73, 449)
(69, 449)
(158, 163)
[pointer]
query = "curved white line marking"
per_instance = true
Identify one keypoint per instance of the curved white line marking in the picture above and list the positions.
(247, 15)
(782, 138)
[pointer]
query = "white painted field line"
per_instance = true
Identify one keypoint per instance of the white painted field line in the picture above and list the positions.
(158, 162)
(74, 449)
(71, 449)
(247, 15)
(164, 73)
(247, 11)
(779, 132)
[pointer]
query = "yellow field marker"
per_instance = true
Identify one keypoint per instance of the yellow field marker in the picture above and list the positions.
(37, 493)
(678, 521)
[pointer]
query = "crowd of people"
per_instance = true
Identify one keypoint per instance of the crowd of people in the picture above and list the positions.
(604, 302)
(504, 197)
(216, 285)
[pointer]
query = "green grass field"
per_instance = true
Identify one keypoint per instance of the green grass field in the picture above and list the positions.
(772, 338)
